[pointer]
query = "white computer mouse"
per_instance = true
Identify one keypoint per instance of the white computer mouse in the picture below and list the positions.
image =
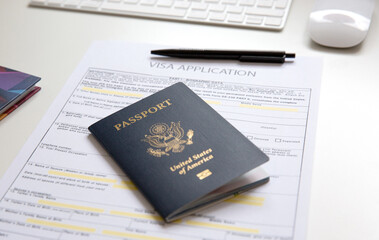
(340, 23)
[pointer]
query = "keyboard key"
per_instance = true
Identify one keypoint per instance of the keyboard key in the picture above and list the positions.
(271, 21)
(265, 12)
(216, 8)
(234, 9)
(148, 2)
(165, 3)
(90, 4)
(136, 9)
(217, 17)
(254, 20)
(281, 3)
(131, 1)
(54, 2)
(196, 14)
(235, 18)
(233, 2)
(199, 6)
(249, 3)
(182, 5)
(72, 3)
(265, 3)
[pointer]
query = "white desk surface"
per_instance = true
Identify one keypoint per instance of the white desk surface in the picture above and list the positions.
(345, 187)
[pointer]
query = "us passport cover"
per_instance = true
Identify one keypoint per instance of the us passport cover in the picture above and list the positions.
(179, 152)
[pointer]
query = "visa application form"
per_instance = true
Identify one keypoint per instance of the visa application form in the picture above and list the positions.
(63, 185)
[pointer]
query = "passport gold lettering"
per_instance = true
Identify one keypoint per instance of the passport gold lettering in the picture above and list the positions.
(200, 162)
(197, 156)
(192, 162)
(153, 108)
(161, 106)
(132, 120)
(142, 115)
(182, 171)
(173, 168)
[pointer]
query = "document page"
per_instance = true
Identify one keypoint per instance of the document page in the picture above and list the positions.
(64, 185)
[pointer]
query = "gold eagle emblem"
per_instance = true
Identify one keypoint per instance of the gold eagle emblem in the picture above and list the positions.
(164, 139)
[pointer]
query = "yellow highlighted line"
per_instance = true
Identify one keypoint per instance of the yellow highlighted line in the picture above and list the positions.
(60, 225)
(129, 183)
(248, 200)
(126, 185)
(269, 108)
(221, 226)
(251, 198)
(71, 206)
(131, 235)
(213, 102)
(245, 202)
(81, 176)
(137, 215)
(112, 92)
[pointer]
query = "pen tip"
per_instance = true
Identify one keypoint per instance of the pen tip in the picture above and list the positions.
(290, 55)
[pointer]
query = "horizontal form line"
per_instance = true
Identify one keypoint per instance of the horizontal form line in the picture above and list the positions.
(71, 206)
(269, 108)
(60, 225)
(221, 226)
(131, 235)
(112, 92)
(136, 215)
(81, 176)
(213, 102)
(251, 198)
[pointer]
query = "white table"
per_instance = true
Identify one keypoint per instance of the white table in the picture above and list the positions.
(345, 190)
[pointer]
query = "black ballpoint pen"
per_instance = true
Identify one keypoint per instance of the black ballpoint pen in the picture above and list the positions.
(243, 56)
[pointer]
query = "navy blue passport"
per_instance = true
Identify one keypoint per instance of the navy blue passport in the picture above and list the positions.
(180, 153)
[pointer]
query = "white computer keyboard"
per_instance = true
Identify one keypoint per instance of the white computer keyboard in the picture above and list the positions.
(265, 14)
